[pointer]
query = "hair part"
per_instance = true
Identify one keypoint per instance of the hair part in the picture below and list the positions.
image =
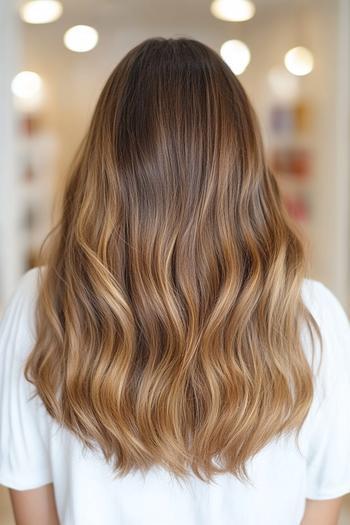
(168, 313)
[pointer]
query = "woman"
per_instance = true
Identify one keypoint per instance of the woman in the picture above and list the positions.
(171, 363)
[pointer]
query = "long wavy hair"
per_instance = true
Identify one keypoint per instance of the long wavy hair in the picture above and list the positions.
(170, 308)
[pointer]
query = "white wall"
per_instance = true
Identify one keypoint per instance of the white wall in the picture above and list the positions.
(343, 154)
(11, 264)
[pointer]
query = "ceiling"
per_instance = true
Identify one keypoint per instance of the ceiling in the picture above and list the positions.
(155, 11)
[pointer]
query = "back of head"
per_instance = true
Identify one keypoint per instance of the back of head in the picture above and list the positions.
(168, 312)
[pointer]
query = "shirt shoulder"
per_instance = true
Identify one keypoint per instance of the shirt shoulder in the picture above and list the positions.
(334, 326)
(20, 309)
(326, 431)
(320, 299)
(27, 286)
(24, 424)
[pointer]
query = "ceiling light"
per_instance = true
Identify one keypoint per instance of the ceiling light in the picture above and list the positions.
(233, 10)
(80, 38)
(236, 55)
(26, 84)
(27, 88)
(40, 11)
(299, 61)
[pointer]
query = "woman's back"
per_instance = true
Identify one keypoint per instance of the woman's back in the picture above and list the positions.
(174, 334)
(87, 494)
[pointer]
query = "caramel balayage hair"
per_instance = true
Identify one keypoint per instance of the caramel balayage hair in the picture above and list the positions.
(169, 311)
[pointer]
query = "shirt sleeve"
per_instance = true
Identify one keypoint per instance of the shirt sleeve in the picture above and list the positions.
(328, 423)
(24, 444)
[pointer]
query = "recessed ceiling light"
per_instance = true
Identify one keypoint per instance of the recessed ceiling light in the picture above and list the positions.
(26, 84)
(299, 61)
(233, 10)
(236, 54)
(40, 11)
(27, 88)
(80, 38)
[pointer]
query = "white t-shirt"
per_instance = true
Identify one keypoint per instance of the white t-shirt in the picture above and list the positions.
(35, 451)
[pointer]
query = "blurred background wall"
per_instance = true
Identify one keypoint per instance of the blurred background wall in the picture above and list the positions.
(304, 117)
(46, 140)
(11, 260)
